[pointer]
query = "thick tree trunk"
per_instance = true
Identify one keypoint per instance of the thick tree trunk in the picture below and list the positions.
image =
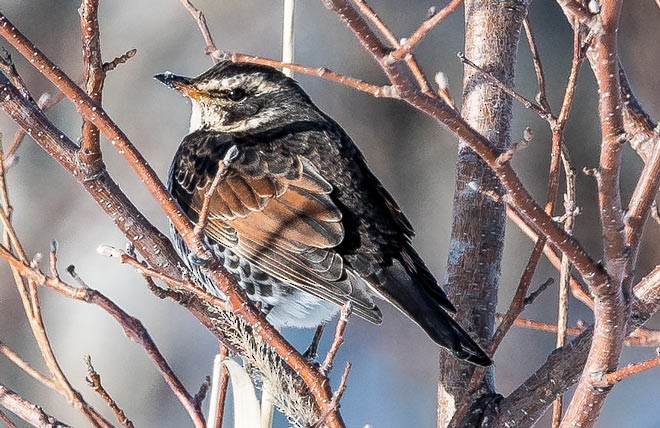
(492, 30)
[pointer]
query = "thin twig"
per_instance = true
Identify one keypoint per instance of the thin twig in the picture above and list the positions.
(133, 328)
(536, 293)
(94, 381)
(322, 72)
(121, 59)
(564, 278)
(203, 216)
(344, 314)
(424, 28)
(30, 413)
(108, 251)
(541, 96)
(5, 419)
(543, 114)
(26, 367)
(631, 369)
(550, 252)
(94, 77)
(200, 19)
(219, 385)
(288, 14)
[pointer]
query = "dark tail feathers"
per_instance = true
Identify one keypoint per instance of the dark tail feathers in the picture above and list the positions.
(415, 302)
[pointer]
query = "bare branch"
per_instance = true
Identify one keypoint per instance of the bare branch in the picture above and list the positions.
(200, 19)
(94, 381)
(27, 411)
(344, 314)
(94, 77)
(424, 28)
(631, 369)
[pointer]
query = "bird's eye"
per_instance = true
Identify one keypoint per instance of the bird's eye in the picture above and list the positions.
(236, 94)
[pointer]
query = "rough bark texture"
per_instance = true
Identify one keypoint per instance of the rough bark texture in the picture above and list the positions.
(492, 30)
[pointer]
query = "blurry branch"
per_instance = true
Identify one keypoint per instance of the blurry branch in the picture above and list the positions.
(94, 381)
(132, 327)
(288, 15)
(30, 413)
(27, 290)
(219, 384)
(529, 401)
(49, 138)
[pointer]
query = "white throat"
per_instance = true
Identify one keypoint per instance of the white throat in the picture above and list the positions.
(195, 116)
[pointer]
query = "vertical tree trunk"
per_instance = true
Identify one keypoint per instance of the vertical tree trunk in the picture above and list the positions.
(492, 30)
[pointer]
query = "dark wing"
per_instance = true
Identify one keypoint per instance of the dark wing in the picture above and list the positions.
(276, 211)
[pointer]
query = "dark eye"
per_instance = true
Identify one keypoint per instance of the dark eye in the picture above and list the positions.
(236, 94)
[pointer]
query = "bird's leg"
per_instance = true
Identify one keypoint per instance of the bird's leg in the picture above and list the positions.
(311, 353)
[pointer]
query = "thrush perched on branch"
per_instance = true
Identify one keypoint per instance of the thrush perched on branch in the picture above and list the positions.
(298, 217)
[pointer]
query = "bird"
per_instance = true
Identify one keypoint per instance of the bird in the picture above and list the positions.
(297, 216)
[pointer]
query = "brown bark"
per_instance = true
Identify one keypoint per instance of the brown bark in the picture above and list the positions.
(492, 32)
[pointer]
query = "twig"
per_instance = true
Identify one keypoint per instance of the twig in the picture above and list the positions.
(288, 14)
(133, 328)
(202, 219)
(542, 326)
(591, 271)
(94, 77)
(410, 60)
(543, 114)
(108, 251)
(562, 368)
(536, 293)
(200, 19)
(55, 142)
(5, 419)
(219, 385)
(26, 367)
(27, 411)
(336, 397)
(564, 278)
(32, 308)
(424, 28)
(611, 311)
(344, 314)
(322, 72)
(550, 252)
(373, 17)
(109, 66)
(94, 381)
(541, 96)
(578, 11)
(631, 369)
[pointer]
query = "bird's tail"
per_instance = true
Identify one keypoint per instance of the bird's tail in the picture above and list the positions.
(421, 307)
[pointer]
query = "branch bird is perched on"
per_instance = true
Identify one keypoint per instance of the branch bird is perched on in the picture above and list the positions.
(298, 217)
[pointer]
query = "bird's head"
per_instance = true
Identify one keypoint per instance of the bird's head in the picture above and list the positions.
(240, 97)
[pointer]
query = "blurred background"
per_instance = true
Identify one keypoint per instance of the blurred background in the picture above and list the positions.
(393, 382)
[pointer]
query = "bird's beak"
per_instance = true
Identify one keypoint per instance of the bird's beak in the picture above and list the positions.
(181, 84)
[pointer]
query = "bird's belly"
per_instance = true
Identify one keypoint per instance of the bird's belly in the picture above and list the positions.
(283, 304)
